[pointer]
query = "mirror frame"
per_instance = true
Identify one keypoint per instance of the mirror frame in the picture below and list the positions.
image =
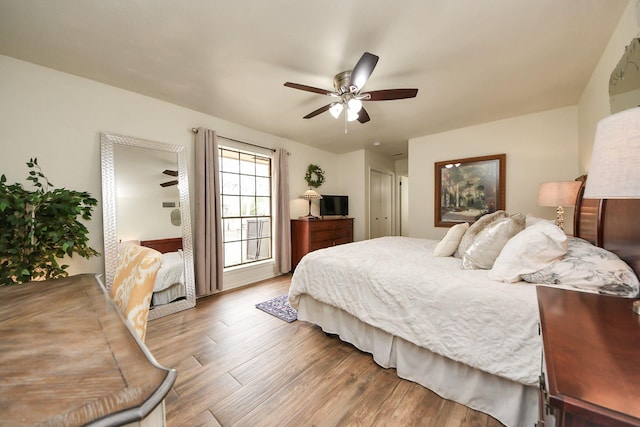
(108, 142)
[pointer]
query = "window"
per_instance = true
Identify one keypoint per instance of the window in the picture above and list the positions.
(245, 190)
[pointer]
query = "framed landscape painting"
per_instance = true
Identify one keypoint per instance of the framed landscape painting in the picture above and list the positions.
(466, 189)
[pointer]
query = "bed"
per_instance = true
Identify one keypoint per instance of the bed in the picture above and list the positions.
(169, 285)
(476, 344)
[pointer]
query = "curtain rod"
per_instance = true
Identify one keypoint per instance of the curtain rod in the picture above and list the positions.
(195, 130)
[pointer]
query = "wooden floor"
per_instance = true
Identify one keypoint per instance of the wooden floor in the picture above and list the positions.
(238, 366)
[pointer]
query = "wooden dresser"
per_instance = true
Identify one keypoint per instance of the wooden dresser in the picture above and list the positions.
(592, 356)
(67, 358)
(311, 234)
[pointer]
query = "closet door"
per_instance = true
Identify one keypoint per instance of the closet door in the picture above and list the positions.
(380, 204)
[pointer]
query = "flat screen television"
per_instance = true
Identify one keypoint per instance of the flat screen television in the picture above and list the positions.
(334, 205)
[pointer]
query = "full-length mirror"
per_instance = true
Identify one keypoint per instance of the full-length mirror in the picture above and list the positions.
(145, 194)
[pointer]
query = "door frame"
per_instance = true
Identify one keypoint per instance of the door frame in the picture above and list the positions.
(399, 201)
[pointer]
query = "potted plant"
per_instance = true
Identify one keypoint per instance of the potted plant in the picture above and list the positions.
(39, 227)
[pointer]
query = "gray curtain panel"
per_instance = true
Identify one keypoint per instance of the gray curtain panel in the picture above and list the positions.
(283, 223)
(207, 248)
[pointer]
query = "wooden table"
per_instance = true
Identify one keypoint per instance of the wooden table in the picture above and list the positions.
(592, 355)
(67, 358)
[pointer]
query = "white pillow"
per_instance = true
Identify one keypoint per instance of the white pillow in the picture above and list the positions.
(531, 220)
(449, 243)
(589, 268)
(487, 245)
(531, 250)
(475, 229)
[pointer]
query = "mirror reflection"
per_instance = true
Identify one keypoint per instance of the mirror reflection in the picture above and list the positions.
(624, 83)
(145, 197)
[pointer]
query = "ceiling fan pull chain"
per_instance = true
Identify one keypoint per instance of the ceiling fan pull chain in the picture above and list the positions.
(346, 121)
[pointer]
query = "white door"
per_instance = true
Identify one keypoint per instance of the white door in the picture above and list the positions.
(380, 204)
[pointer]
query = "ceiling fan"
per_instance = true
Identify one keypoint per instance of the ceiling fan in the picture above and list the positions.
(347, 91)
(170, 173)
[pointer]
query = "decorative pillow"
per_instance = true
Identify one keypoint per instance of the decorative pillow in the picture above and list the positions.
(591, 268)
(532, 220)
(449, 243)
(475, 229)
(532, 249)
(489, 243)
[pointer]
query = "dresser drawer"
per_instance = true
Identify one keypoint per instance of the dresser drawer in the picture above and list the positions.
(322, 235)
(343, 233)
(330, 235)
(343, 240)
(316, 226)
(321, 245)
(308, 235)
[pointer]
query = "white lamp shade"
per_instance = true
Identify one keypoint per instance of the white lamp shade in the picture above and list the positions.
(615, 161)
(335, 110)
(560, 193)
(355, 105)
(351, 115)
(310, 195)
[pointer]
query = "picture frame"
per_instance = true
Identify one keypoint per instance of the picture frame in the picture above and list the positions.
(466, 189)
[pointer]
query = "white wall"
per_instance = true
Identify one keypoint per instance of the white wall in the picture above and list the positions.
(541, 144)
(594, 103)
(539, 147)
(57, 117)
(402, 166)
(155, 223)
(352, 177)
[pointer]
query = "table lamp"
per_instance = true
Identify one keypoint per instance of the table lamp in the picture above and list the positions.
(310, 195)
(615, 161)
(559, 194)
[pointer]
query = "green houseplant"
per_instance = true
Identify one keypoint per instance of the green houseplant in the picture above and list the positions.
(39, 227)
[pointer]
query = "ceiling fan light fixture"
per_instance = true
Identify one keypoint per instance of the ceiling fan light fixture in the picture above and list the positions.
(355, 105)
(336, 109)
(348, 86)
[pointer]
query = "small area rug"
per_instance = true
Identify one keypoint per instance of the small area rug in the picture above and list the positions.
(279, 307)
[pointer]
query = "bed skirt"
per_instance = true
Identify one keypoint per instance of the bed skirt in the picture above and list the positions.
(511, 403)
(169, 294)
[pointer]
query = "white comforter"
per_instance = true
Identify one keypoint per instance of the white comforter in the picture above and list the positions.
(396, 285)
(171, 271)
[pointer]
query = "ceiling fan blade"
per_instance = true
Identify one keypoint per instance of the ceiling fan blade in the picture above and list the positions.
(363, 70)
(170, 172)
(169, 183)
(318, 111)
(308, 88)
(389, 94)
(363, 116)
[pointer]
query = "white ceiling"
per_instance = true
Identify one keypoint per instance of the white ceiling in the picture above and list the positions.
(472, 61)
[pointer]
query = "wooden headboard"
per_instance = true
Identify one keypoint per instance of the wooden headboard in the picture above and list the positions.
(163, 245)
(613, 224)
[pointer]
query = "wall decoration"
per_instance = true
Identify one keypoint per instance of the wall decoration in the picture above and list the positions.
(314, 176)
(466, 189)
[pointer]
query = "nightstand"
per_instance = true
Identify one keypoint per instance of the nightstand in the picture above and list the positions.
(592, 358)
